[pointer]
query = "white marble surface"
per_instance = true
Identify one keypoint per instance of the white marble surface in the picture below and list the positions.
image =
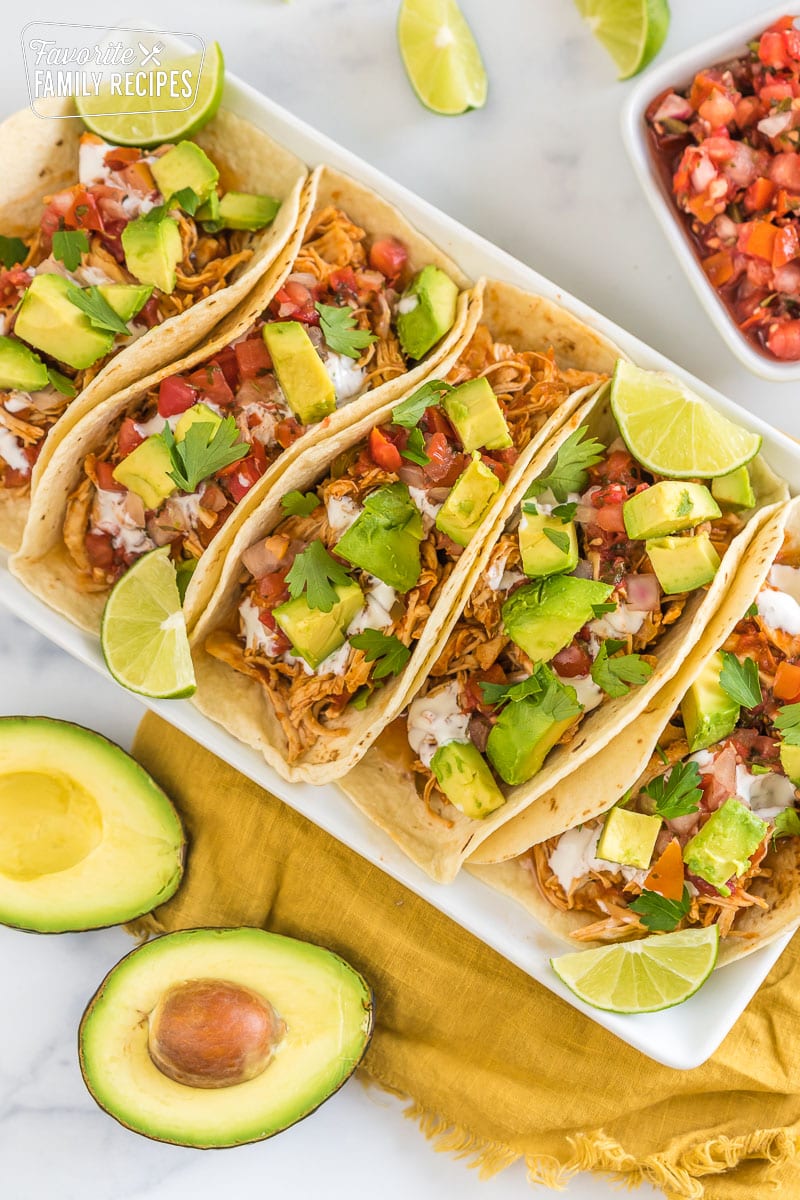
(542, 172)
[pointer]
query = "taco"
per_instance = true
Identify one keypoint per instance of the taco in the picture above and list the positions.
(116, 260)
(708, 831)
(337, 587)
(357, 307)
(574, 619)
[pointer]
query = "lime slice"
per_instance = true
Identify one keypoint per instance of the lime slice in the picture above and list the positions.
(440, 56)
(143, 634)
(645, 976)
(174, 120)
(632, 31)
(672, 431)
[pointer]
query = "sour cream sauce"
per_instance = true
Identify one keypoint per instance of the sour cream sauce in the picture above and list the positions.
(434, 720)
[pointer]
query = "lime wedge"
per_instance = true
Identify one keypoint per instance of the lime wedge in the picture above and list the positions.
(632, 31)
(143, 634)
(174, 120)
(645, 976)
(440, 56)
(672, 431)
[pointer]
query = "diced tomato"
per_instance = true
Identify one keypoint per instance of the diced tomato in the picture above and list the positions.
(295, 302)
(773, 93)
(783, 340)
(787, 682)
(287, 431)
(784, 171)
(175, 395)
(83, 212)
(273, 588)
(705, 82)
(252, 357)
(105, 478)
(618, 467)
(759, 194)
(749, 110)
(787, 246)
(472, 697)
(227, 362)
(772, 50)
(757, 238)
(12, 283)
(383, 451)
(14, 478)
(499, 468)
(718, 780)
(389, 256)
(248, 472)
(279, 639)
(446, 464)
(666, 874)
(128, 437)
(435, 420)
(718, 110)
(99, 550)
(148, 314)
(573, 660)
(342, 282)
(212, 385)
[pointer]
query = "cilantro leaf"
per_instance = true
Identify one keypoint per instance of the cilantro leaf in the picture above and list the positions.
(788, 722)
(300, 504)
(660, 914)
(787, 824)
(494, 693)
(317, 574)
(676, 793)
(390, 654)
(341, 332)
(97, 309)
(62, 383)
(12, 251)
(415, 448)
(187, 199)
(600, 610)
(740, 680)
(568, 472)
(684, 504)
(530, 508)
(557, 536)
(556, 699)
(69, 245)
(202, 453)
(430, 395)
(360, 699)
(752, 611)
(565, 512)
(614, 675)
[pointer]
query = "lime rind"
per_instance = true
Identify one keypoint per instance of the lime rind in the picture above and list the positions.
(632, 31)
(441, 56)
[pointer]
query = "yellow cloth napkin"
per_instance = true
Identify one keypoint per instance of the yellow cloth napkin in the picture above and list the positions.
(496, 1068)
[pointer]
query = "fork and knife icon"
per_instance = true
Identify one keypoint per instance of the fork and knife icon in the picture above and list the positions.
(150, 56)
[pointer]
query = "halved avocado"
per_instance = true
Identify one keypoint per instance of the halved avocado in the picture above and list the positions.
(260, 1028)
(87, 838)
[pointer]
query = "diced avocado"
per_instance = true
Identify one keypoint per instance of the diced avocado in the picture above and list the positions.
(198, 413)
(185, 166)
(668, 507)
(125, 298)
(790, 761)
(628, 838)
(385, 538)
(543, 555)
(477, 417)
(241, 210)
(153, 249)
(542, 618)
(209, 212)
(466, 780)
(315, 634)
(524, 735)
(306, 384)
(145, 471)
(469, 501)
(49, 321)
(722, 849)
(683, 563)
(20, 369)
(734, 491)
(433, 314)
(709, 714)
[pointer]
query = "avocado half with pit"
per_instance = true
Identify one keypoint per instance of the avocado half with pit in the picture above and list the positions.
(87, 838)
(218, 1037)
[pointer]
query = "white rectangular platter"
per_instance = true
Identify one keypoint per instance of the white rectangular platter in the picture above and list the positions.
(682, 1037)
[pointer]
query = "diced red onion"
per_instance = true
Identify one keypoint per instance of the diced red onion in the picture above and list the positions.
(265, 556)
(643, 592)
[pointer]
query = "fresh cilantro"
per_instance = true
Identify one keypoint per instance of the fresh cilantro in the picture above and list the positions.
(187, 199)
(201, 453)
(155, 215)
(788, 722)
(685, 505)
(568, 472)
(600, 610)
(786, 824)
(385, 649)
(12, 251)
(740, 680)
(559, 702)
(660, 914)
(530, 508)
(752, 611)
(494, 693)
(430, 395)
(614, 675)
(757, 769)
(499, 693)
(318, 575)
(555, 699)
(183, 574)
(559, 539)
(678, 793)
(61, 383)
(341, 332)
(565, 512)
(69, 245)
(100, 313)
(300, 504)
(662, 755)
(360, 699)
(415, 448)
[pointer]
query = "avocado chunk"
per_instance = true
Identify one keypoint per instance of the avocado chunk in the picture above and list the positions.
(49, 321)
(542, 618)
(125, 298)
(527, 730)
(466, 780)
(668, 507)
(153, 249)
(790, 761)
(242, 210)
(734, 491)
(682, 564)
(20, 369)
(475, 414)
(315, 634)
(541, 543)
(233, 996)
(185, 166)
(628, 838)
(468, 503)
(208, 213)
(709, 714)
(198, 414)
(87, 838)
(421, 327)
(721, 850)
(307, 386)
(385, 538)
(145, 471)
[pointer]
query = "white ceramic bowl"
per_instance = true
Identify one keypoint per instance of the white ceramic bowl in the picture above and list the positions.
(678, 72)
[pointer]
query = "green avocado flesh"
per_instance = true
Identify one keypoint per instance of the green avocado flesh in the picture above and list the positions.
(21, 369)
(50, 322)
(668, 507)
(466, 780)
(87, 839)
(628, 838)
(385, 538)
(682, 564)
(324, 1003)
(721, 850)
(526, 731)
(543, 618)
(734, 491)
(307, 386)
(153, 250)
(241, 210)
(709, 714)
(185, 166)
(433, 314)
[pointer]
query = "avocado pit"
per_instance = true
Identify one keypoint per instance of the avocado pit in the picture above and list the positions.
(209, 1033)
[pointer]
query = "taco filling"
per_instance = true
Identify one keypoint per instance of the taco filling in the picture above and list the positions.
(141, 237)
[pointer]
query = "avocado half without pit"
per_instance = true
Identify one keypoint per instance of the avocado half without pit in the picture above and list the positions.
(87, 838)
(218, 1037)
